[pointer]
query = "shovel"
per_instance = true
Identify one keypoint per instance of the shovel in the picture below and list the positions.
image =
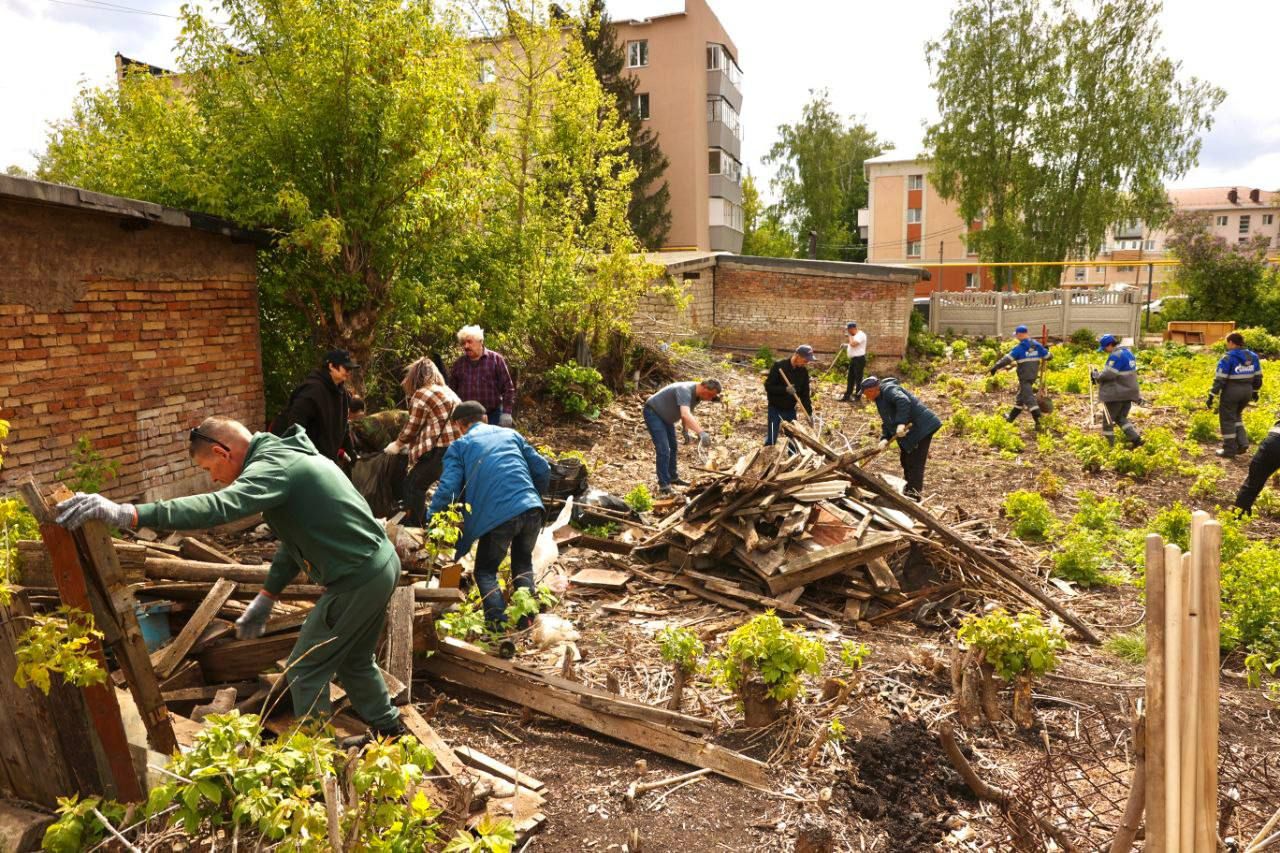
(1043, 400)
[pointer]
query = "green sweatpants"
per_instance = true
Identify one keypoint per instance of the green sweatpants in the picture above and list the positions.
(351, 619)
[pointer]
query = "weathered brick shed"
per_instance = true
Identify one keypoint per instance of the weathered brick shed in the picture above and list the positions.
(126, 322)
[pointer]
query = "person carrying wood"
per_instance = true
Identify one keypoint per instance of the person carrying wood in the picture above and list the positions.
(664, 409)
(325, 530)
(1265, 462)
(904, 417)
(856, 349)
(1028, 355)
(501, 478)
(1236, 384)
(786, 386)
(1117, 389)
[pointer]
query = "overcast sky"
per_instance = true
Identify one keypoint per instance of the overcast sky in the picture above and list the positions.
(869, 55)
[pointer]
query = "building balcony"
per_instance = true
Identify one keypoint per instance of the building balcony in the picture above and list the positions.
(720, 135)
(721, 187)
(725, 239)
(718, 83)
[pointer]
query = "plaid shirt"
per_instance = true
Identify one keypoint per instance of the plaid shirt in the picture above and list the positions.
(485, 380)
(429, 426)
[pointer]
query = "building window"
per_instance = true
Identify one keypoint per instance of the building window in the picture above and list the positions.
(1267, 218)
(1080, 273)
(637, 54)
(1244, 223)
(725, 214)
(724, 164)
(913, 248)
(971, 281)
(640, 104)
(1222, 221)
(718, 59)
(719, 109)
(913, 215)
(915, 182)
(1149, 245)
(488, 71)
(1124, 269)
(1098, 269)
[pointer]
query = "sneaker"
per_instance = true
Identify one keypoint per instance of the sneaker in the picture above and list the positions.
(665, 491)
(679, 482)
(1225, 454)
(845, 399)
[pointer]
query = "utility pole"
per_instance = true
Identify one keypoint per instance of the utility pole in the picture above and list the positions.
(941, 269)
(813, 245)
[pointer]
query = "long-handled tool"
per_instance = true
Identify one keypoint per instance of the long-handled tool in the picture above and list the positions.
(1043, 400)
(1092, 407)
(807, 413)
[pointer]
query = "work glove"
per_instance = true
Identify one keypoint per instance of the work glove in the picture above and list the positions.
(1208, 403)
(1254, 397)
(504, 420)
(1093, 376)
(75, 511)
(393, 448)
(705, 439)
(900, 431)
(884, 442)
(993, 370)
(254, 621)
(686, 435)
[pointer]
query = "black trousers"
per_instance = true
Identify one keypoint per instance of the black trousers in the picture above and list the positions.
(1263, 464)
(426, 471)
(857, 367)
(913, 466)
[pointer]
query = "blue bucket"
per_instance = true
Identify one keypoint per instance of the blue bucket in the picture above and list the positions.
(153, 619)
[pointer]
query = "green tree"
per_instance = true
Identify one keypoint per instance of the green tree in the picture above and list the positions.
(820, 181)
(1222, 280)
(649, 210)
(763, 235)
(1056, 125)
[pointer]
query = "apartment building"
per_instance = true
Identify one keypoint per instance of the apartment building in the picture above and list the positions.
(907, 222)
(690, 93)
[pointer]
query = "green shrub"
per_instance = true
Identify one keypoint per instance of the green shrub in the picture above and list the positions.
(764, 358)
(921, 342)
(914, 372)
(1049, 484)
(998, 433)
(1267, 504)
(989, 356)
(681, 647)
(1207, 479)
(1083, 338)
(997, 382)
(1160, 453)
(1130, 646)
(639, 498)
(580, 391)
(16, 522)
(763, 647)
(959, 349)
(961, 421)
(1089, 448)
(1251, 599)
(1098, 514)
(1203, 427)
(1024, 645)
(1029, 515)
(1082, 557)
(1259, 340)
(89, 470)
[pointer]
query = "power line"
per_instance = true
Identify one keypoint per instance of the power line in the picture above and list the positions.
(102, 6)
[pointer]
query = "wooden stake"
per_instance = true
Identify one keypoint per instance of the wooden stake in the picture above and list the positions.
(1189, 686)
(1210, 615)
(1173, 698)
(1128, 829)
(1156, 708)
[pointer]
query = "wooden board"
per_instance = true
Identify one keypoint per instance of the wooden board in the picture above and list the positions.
(882, 578)
(605, 578)
(494, 767)
(244, 660)
(398, 657)
(166, 660)
(197, 549)
(21, 829)
(831, 561)
(446, 760)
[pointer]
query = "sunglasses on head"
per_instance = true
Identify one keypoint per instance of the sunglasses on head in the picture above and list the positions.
(197, 435)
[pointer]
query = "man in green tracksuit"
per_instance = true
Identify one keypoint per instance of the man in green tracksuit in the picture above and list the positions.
(325, 530)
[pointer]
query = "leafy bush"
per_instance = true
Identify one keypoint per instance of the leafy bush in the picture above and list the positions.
(639, 498)
(15, 523)
(1029, 515)
(680, 647)
(58, 642)
(77, 828)
(998, 433)
(1090, 449)
(764, 648)
(1207, 479)
(998, 382)
(89, 470)
(1203, 427)
(1024, 645)
(959, 349)
(854, 655)
(921, 342)
(915, 373)
(1267, 504)
(764, 358)
(579, 390)
(1259, 340)
(961, 421)
(1130, 646)
(1049, 484)
(1083, 338)
(1095, 513)
(1081, 557)
(1251, 598)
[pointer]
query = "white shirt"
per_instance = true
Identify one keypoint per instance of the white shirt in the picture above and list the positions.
(857, 344)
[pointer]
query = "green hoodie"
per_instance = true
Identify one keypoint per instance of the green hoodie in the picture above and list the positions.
(324, 526)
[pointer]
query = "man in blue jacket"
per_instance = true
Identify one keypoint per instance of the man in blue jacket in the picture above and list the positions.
(1117, 389)
(902, 415)
(1236, 384)
(1027, 354)
(501, 478)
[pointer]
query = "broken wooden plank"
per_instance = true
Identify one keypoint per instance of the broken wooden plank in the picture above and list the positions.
(446, 759)
(882, 578)
(604, 578)
(830, 561)
(494, 767)
(197, 549)
(398, 657)
(854, 608)
(244, 660)
(165, 660)
(599, 543)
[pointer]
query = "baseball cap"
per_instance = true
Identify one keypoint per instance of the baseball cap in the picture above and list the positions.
(851, 325)
(466, 410)
(340, 358)
(1106, 341)
(870, 382)
(806, 352)
(1021, 330)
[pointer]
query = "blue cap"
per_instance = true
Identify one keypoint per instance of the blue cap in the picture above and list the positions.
(1021, 330)
(806, 352)
(870, 382)
(851, 325)
(1106, 341)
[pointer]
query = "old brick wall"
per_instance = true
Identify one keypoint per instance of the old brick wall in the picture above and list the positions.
(658, 316)
(786, 306)
(126, 336)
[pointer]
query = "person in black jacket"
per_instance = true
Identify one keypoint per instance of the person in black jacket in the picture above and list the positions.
(321, 404)
(786, 385)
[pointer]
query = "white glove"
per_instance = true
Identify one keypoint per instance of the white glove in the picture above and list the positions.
(254, 621)
(393, 448)
(884, 442)
(900, 431)
(75, 511)
(504, 420)
(705, 439)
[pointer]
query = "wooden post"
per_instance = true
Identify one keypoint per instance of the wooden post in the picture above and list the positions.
(1156, 708)
(1210, 547)
(1173, 698)
(1190, 689)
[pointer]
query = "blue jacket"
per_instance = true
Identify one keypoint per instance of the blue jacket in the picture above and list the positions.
(1238, 366)
(896, 406)
(496, 472)
(1118, 379)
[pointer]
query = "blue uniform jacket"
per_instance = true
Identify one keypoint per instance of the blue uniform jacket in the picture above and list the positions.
(496, 472)
(896, 405)
(1238, 365)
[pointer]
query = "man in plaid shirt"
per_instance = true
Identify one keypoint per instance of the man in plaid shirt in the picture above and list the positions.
(481, 375)
(426, 434)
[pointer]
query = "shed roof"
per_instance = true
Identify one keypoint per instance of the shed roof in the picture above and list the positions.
(60, 195)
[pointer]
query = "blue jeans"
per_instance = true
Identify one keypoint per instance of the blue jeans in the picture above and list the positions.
(776, 417)
(664, 442)
(517, 535)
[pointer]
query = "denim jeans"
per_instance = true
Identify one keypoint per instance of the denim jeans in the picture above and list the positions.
(664, 443)
(776, 417)
(517, 535)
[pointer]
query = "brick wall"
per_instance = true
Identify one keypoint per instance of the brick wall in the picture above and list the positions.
(658, 316)
(793, 303)
(127, 336)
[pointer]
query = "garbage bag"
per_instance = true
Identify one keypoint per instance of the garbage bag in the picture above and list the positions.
(378, 478)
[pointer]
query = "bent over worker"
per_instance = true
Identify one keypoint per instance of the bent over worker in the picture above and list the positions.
(325, 530)
(1263, 464)
(1117, 389)
(903, 416)
(787, 386)
(663, 410)
(501, 478)
(1027, 355)
(1236, 384)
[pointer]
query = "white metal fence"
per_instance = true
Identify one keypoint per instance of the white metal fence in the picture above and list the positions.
(1061, 311)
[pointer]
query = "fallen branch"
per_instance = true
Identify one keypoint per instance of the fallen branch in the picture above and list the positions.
(1127, 832)
(640, 787)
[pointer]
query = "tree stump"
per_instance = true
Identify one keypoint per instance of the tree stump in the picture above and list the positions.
(1024, 711)
(758, 706)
